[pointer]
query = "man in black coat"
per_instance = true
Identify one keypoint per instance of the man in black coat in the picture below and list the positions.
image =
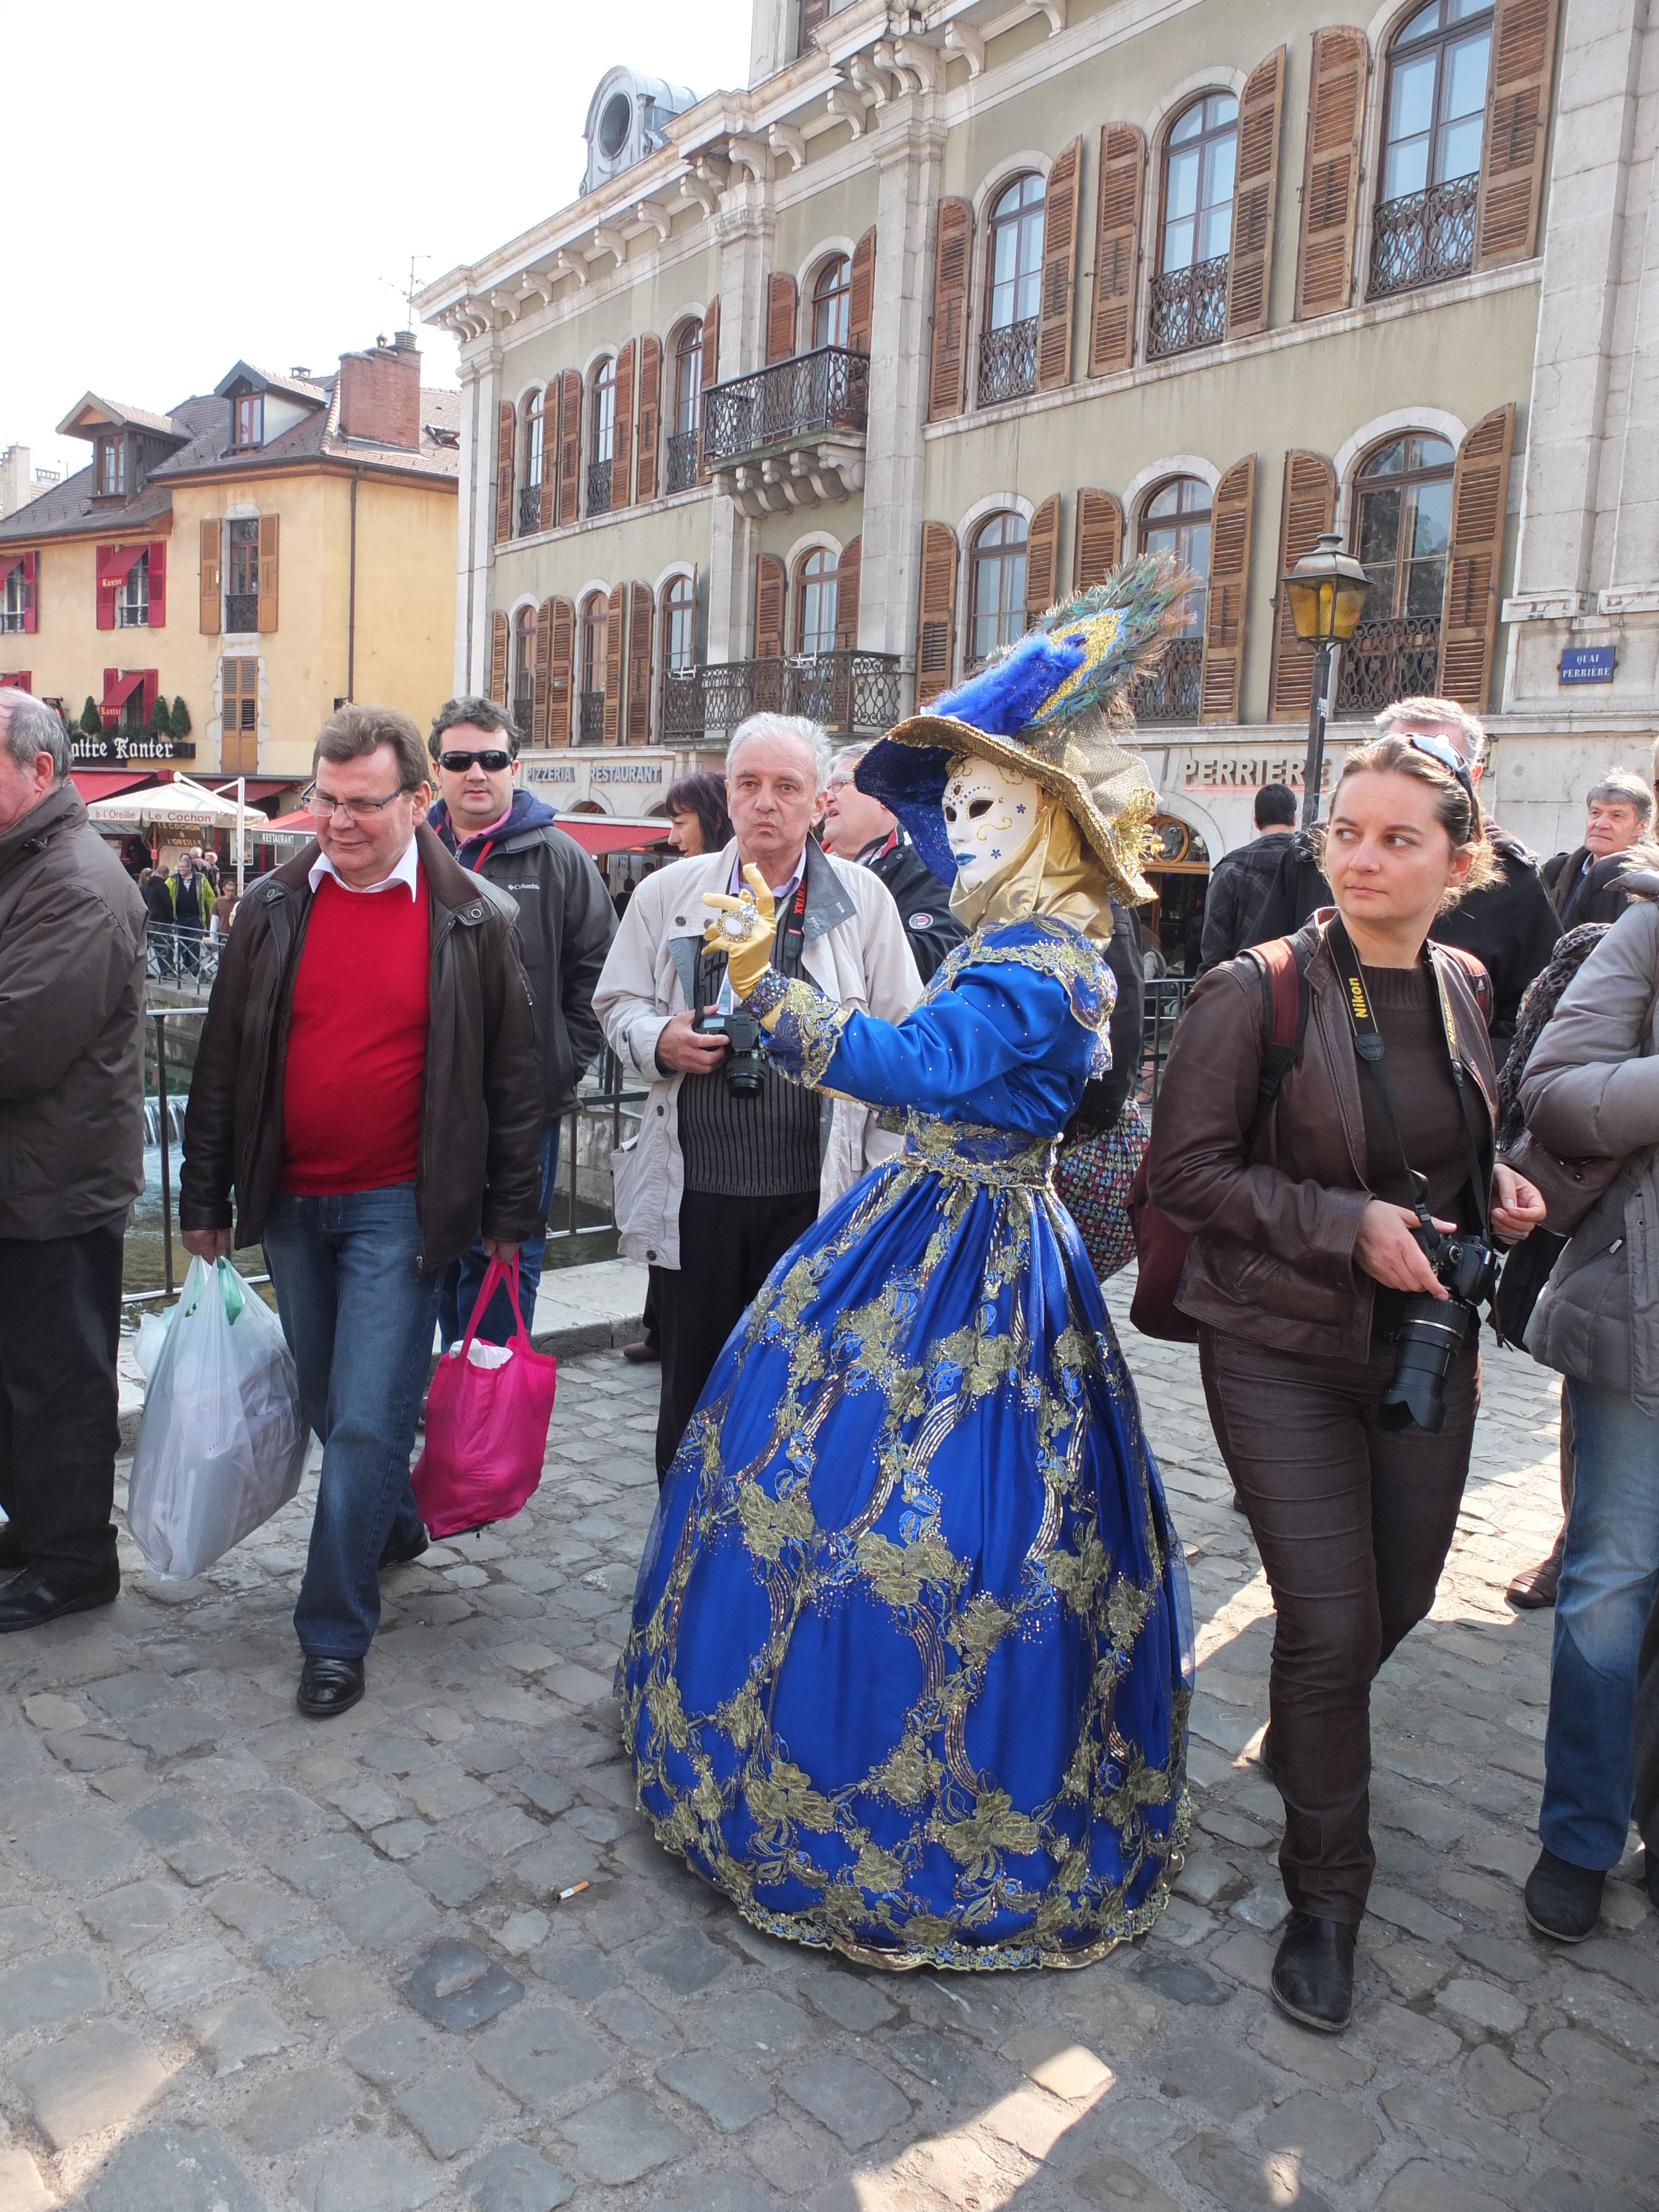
(859, 828)
(1587, 884)
(1240, 879)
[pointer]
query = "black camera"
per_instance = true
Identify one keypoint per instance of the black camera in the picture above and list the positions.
(745, 1068)
(1434, 1329)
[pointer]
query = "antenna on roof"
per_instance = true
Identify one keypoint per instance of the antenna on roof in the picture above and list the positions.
(413, 286)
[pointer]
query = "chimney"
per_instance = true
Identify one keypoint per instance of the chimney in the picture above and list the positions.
(380, 394)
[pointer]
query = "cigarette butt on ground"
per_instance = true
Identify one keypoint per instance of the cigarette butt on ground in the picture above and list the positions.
(574, 1890)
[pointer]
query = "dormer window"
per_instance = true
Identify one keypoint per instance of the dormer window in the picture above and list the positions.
(249, 420)
(112, 467)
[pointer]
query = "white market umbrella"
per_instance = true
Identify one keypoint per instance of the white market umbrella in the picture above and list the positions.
(180, 801)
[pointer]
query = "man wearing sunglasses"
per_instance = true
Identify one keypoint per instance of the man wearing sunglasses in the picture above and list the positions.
(566, 923)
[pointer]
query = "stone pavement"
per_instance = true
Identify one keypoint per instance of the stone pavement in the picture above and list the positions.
(248, 1961)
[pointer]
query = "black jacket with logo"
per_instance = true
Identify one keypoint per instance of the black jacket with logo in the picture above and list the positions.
(924, 902)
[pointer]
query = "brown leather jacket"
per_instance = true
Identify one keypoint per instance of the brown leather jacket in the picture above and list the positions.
(1274, 1235)
(481, 1107)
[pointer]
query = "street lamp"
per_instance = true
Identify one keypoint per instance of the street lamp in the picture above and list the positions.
(1328, 589)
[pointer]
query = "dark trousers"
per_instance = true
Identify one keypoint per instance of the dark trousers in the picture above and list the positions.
(1354, 1525)
(728, 1247)
(60, 1322)
(1645, 1747)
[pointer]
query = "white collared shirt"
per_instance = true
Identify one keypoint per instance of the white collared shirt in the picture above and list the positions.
(407, 872)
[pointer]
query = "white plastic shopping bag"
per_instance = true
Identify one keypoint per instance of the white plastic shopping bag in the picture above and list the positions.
(222, 1443)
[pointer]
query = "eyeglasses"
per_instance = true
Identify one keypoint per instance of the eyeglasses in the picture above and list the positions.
(1442, 751)
(321, 808)
(492, 762)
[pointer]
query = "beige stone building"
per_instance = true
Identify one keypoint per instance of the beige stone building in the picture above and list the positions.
(827, 382)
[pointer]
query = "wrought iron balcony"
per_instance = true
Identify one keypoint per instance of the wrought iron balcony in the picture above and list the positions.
(590, 719)
(598, 487)
(241, 610)
(1189, 307)
(1169, 692)
(530, 509)
(1423, 236)
(791, 435)
(521, 702)
(1389, 660)
(682, 470)
(1007, 361)
(850, 693)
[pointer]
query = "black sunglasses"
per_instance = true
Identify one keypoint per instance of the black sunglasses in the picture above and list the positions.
(491, 761)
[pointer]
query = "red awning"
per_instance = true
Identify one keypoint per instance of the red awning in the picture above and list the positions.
(125, 684)
(101, 783)
(300, 819)
(604, 833)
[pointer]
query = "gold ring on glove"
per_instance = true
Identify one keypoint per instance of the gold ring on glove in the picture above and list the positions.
(738, 925)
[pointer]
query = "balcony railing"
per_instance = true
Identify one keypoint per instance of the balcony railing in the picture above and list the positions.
(1389, 660)
(1423, 236)
(241, 610)
(598, 487)
(530, 509)
(1169, 692)
(521, 699)
(1189, 307)
(682, 471)
(850, 693)
(1007, 361)
(590, 719)
(825, 392)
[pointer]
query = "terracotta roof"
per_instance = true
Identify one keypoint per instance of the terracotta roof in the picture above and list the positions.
(140, 417)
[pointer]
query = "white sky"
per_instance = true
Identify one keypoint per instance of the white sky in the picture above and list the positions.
(211, 184)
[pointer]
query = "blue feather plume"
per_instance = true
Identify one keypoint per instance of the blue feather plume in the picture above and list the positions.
(1003, 698)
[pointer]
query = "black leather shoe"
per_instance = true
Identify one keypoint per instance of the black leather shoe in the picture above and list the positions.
(1264, 1758)
(399, 1555)
(11, 1549)
(641, 1352)
(328, 1686)
(1313, 1974)
(30, 1599)
(1562, 1899)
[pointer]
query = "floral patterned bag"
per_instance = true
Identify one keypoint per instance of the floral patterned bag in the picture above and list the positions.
(1092, 1177)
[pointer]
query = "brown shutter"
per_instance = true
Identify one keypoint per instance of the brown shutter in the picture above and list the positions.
(212, 533)
(936, 612)
(1309, 508)
(1042, 559)
(539, 696)
(498, 642)
(621, 447)
(616, 617)
(548, 516)
(560, 658)
(711, 372)
(267, 537)
(1468, 625)
(1060, 228)
(505, 422)
(848, 570)
(1117, 247)
(779, 317)
(952, 259)
(641, 628)
(861, 297)
(1231, 511)
(1249, 266)
(1517, 125)
(1098, 531)
(769, 588)
(570, 445)
(645, 474)
(1330, 176)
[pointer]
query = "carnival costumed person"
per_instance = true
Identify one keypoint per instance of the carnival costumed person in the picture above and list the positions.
(910, 1661)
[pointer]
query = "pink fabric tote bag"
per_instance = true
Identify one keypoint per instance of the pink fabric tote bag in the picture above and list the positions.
(487, 1416)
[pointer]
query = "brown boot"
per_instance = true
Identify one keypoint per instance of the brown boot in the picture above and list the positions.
(1536, 1586)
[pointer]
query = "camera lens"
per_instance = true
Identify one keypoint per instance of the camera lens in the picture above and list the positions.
(744, 1076)
(1430, 1336)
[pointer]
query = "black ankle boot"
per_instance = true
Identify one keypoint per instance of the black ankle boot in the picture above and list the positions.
(1562, 1899)
(1313, 1974)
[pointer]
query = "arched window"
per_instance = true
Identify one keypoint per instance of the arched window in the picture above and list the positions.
(595, 628)
(1175, 520)
(524, 669)
(1196, 222)
(688, 403)
(831, 301)
(1434, 114)
(535, 455)
(602, 435)
(1401, 533)
(679, 625)
(997, 588)
(1014, 288)
(815, 602)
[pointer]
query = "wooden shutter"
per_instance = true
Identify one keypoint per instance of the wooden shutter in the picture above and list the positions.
(1330, 176)
(212, 534)
(645, 473)
(769, 592)
(616, 618)
(1117, 247)
(561, 662)
(711, 372)
(1042, 559)
(847, 572)
(1468, 625)
(936, 611)
(539, 695)
(109, 572)
(1231, 510)
(861, 295)
(498, 642)
(505, 423)
(267, 535)
(779, 317)
(621, 444)
(641, 630)
(952, 261)
(1059, 227)
(1517, 126)
(1255, 196)
(548, 516)
(30, 564)
(570, 445)
(1097, 529)
(1308, 509)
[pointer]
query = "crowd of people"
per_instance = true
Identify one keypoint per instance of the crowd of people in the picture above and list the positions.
(910, 1660)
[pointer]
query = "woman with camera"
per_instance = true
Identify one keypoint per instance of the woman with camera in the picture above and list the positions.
(1337, 1253)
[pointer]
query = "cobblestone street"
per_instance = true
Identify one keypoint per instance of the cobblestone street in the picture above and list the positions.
(248, 1961)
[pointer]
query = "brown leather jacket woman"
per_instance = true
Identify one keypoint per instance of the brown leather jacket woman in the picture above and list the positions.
(1274, 1235)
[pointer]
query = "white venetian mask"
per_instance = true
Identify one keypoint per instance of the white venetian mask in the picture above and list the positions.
(989, 814)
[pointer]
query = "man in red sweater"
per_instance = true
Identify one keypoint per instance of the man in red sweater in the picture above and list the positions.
(369, 1091)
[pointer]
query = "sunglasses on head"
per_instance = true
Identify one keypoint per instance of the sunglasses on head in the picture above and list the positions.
(458, 764)
(1442, 751)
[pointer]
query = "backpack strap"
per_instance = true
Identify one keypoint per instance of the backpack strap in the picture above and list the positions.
(1284, 1002)
(1475, 974)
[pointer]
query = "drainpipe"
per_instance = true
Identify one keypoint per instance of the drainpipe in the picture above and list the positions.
(352, 601)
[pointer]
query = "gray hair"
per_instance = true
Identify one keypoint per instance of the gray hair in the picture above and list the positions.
(1467, 734)
(1620, 786)
(483, 714)
(29, 728)
(848, 759)
(799, 729)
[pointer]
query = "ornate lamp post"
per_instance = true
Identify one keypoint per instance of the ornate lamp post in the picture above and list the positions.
(1328, 589)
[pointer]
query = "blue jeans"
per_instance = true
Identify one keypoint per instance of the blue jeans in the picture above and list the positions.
(464, 1277)
(358, 1319)
(1609, 1577)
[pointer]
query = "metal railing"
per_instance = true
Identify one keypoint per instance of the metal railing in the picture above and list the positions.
(163, 1129)
(1166, 995)
(1007, 361)
(241, 610)
(1389, 660)
(1422, 237)
(1189, 307)
(598, 487)
(848, 692)
(680, 470)
(530, 509)
(589, 720)
(825, 391)
(184, 959)
(522, 696)
(1171, 691)
(584, 1185)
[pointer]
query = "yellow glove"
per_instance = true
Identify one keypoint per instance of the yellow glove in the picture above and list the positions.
(743, 930)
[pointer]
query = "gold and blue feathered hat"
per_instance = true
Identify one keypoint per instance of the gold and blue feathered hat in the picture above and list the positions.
(1054, 705)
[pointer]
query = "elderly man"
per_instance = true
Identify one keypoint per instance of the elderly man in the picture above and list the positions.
(732, 1162)
(72, 1139)
(566, 922)
(368, 1086)
(1588, 883)
(859, 828)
